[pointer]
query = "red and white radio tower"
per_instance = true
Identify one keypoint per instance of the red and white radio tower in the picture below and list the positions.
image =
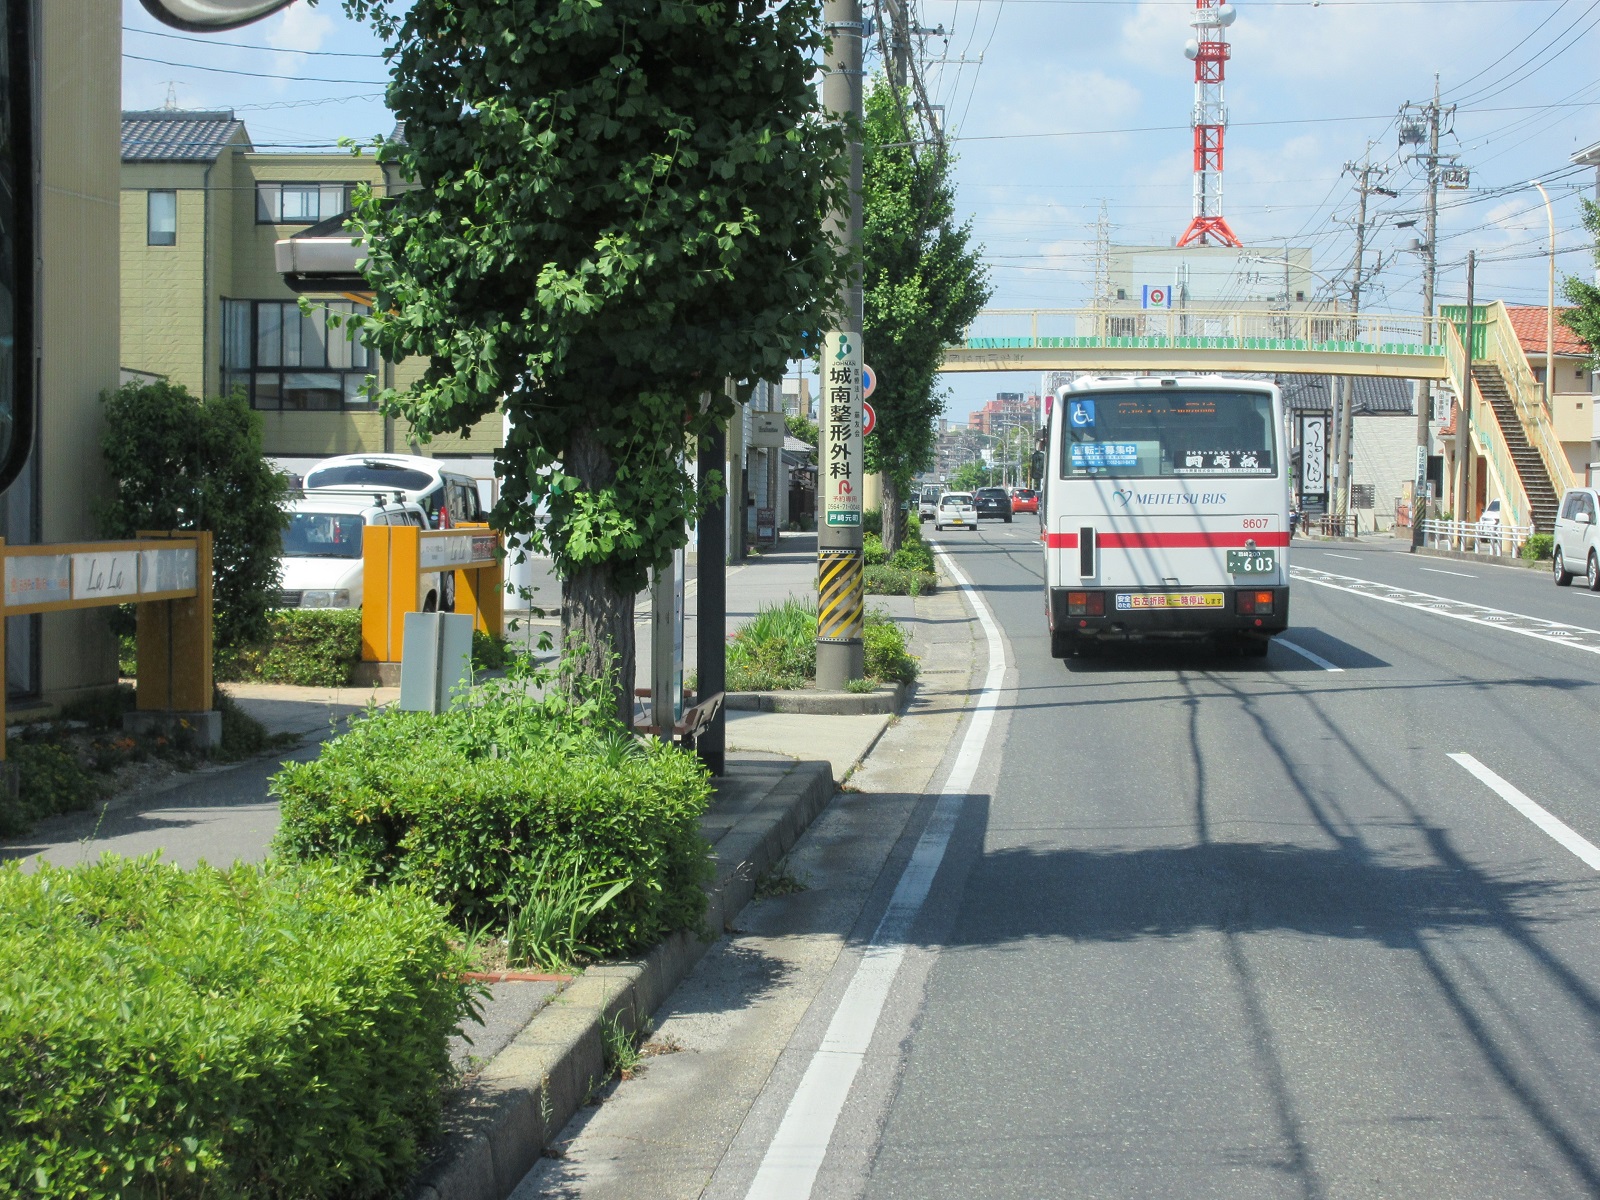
(1209, 50)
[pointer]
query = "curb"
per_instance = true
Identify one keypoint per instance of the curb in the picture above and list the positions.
(528, 1092)
(1488, 560)
(878, 702)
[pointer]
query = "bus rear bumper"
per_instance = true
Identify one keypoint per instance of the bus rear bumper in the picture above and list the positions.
(1130, 614)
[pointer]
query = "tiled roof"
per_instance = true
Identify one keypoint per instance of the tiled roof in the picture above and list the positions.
(174, 135)
(1373, 396)
(1530, 321)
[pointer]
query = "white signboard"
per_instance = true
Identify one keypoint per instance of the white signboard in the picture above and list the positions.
(841, 470)
(105, 573)
(166, 570)
(457, 550)
(1313, 456)
(38, 579)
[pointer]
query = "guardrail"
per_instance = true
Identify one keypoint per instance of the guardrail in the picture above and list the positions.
(1476, 537)
(1204, 329)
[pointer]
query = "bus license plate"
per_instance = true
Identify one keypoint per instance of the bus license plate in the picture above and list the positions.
(1251, 562)
(1126, 601)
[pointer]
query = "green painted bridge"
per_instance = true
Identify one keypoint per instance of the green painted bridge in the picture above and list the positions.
(1123, 339)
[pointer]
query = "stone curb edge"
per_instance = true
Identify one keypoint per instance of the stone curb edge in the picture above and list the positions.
(878, 702)
(1490, 560)
(529, 1091)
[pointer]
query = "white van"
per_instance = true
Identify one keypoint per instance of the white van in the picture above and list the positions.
(322, 546)
(447, 497)
(1577, 541)
(928, 502)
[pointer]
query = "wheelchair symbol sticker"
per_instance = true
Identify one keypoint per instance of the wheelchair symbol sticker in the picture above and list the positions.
(1080, 414)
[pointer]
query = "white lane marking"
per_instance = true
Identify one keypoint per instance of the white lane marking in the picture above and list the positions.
(1437, 571)
(1304, 653)
(1331, 554)
(1554, 826)
(789, 1168)
(1579, 637)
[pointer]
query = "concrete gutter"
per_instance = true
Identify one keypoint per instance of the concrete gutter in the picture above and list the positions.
(889, 698)
(528, 1092)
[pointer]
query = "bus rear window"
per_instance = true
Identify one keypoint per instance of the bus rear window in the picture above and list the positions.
(1153, 434)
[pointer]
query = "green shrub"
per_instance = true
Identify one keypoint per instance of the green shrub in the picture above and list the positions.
(50, 780)
(775, 650)
(489, 653)
(886, 655)
(872, 552)
(896, 581)
(872, 521)
(913, 556)
(256, 1031)
(313, 647)
(466, 804)
(1539, 547)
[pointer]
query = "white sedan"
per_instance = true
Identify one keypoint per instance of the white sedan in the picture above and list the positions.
(956, 510)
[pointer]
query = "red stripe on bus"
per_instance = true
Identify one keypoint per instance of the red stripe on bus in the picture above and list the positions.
(1170, 541)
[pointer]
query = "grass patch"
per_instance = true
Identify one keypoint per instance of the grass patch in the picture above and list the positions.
(776, 650)
(780, 879)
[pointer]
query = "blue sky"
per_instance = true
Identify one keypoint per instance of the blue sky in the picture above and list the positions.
(1079, 101)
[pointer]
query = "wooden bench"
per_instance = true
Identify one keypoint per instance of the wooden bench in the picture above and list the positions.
(694, 722)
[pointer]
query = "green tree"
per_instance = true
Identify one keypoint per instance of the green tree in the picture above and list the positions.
(181, 462)
(1584, 318)
(924, 282)
(969, 477)
(618, 206)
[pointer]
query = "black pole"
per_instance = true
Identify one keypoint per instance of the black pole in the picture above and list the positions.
(711, 618)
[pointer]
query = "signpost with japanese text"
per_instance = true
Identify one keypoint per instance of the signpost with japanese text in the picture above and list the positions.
(841, 472)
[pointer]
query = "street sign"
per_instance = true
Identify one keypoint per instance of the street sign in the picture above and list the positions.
(869, 381)
(840, 465)
(869, 418)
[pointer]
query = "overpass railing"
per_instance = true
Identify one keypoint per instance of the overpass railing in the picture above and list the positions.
(1504, 349)
(1203, 329)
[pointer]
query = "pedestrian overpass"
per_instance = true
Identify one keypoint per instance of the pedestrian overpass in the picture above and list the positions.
(1121, 339)
(1527, 447)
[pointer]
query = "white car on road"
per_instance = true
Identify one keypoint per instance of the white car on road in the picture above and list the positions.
(1576, 551)
(322, 544)
(957, 510)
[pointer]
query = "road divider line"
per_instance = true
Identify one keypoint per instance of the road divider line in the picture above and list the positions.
(1350, 557)
(1307, 654)
(1438, 571)
(1578, 637)
(789, 1168)
(1554, 826)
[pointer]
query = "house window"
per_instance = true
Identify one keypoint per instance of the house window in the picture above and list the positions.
(161, 218)
(301, 203)
(287, 360)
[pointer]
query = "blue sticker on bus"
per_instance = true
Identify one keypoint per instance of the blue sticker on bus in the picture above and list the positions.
(1105, 454)
(1080, 414)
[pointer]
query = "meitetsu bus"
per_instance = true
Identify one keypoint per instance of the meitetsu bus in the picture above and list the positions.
(1166, 512)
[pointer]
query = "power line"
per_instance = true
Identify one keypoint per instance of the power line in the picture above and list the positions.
(252, 74)
(210, 42)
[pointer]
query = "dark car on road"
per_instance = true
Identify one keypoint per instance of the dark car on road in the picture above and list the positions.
(993, 502)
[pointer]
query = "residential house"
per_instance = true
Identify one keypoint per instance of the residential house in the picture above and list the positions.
(203, 303)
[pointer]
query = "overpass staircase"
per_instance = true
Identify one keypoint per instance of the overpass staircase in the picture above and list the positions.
(1543, 499)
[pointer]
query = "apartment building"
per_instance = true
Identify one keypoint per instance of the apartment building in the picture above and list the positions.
(203, 303)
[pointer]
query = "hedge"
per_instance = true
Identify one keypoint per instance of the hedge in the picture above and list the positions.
(250, 1032)
(464, 804)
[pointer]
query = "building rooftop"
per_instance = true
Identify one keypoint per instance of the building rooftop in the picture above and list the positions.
(178, 135)
(1530, 321)
(1373, 396)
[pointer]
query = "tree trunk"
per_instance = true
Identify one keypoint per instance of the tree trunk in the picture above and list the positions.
(594, 611)
(892, 527)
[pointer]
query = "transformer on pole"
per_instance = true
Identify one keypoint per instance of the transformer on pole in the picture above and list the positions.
(1209, 51)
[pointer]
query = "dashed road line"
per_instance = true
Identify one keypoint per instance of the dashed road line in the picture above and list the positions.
(1579, 637)
(1307, 654)
(1438, 571)
(1331, 554)
(1554, 826)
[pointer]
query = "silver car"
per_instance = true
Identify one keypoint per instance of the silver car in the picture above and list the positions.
(1575, 551)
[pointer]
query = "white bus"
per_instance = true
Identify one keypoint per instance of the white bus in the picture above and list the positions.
(1165, 512)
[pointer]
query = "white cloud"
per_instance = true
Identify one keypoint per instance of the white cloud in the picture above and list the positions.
(300, 27)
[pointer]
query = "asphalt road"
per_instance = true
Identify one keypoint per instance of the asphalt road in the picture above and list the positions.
(1213, 926)
(1238, 929)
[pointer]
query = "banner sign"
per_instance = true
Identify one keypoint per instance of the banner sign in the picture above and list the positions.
(1157, 297)
(841, 470)
(1313, 456)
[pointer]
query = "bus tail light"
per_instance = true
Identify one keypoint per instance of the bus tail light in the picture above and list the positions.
(1086, 604)
(1246, 603)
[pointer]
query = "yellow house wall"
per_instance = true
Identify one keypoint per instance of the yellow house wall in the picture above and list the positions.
(163, 287)
(79, 85)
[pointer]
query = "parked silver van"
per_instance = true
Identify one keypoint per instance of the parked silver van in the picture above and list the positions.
(1575, 551)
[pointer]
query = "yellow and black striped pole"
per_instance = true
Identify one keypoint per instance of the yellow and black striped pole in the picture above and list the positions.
(841, 655)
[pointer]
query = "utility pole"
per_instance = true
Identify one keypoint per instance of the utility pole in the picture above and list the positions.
(1464, 417)
(841, 600)
(1435, 116)
(1365, 173)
